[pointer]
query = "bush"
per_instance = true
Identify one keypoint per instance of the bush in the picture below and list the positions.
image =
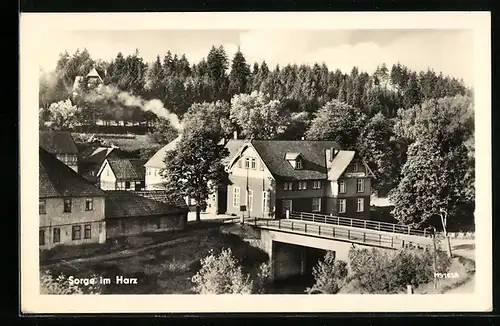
(263, 278)
(330, 275)
(380, 271)
(221, 274)
(61, 285)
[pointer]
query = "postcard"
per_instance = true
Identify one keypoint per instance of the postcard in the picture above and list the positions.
(255, 162)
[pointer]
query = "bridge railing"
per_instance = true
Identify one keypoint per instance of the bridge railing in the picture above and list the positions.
(359, 223)
(332, 231)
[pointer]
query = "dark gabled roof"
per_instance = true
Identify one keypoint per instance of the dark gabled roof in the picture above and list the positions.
(127, 169)
(58, 180)
(273, 153)
(139, 167)
(57, 142)
(122, 203)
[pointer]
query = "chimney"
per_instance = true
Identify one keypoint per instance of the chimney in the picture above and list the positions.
(235, 135)
(333, 152)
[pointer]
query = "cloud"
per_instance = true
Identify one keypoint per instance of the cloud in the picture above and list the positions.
(448, 51)
(442, 50)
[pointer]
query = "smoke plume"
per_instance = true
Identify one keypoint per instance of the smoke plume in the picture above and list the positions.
(120, 99)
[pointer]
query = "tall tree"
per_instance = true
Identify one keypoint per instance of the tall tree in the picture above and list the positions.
(377, 146)
(217, 65)
(162, 131)
(239, 76)
(412, 94)
(154, 80)
(439, 172)
(214, 117)
(258, 116)
(337, 121)
(195, 166)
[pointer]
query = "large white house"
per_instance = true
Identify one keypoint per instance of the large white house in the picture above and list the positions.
(217, 203)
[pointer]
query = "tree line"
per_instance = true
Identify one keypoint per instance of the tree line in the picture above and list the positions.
(301, 88)
(414, 129)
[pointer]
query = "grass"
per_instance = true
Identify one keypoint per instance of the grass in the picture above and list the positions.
(165, 268)
(126, 143)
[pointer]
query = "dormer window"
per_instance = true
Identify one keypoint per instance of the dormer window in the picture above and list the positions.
(295, 160)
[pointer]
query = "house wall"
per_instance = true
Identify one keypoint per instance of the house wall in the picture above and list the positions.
(107, 178)
(127, 226)
(153, 177)
(259, 180)
(55, 217)
(351, 187)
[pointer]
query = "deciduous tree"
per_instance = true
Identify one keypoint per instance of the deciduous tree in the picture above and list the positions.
(258, 116)
(439, 171)
(194, 167)
(337, 121)
(62, 115)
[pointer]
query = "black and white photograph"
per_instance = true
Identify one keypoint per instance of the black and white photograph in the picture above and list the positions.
(221, 164)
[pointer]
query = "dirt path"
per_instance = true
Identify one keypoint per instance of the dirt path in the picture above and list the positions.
(467, 249)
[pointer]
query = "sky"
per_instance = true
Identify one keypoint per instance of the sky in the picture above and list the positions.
(446, 50)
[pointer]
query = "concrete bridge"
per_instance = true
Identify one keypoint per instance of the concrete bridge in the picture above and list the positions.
(295, 244)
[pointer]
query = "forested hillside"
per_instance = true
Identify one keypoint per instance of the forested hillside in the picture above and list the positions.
(358, 109)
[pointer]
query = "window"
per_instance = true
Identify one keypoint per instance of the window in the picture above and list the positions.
(87, 234)
(67, 205)
(298, 164)
(316, 204)
(247, 163)
(149, 171)
(89, 204)
(107, 172)
(287, 205)
(288, 186)
(155, 172)
(76, 232)
(42, 207)
(342, 206)
(265, 201)
(254, 164)
(56, 235)
(261, 166)
(249, 200)
(41, 237)
(317, 184)
(236, 197)
(342, 186)
(355, 167)
(360, 185)
(302, 185)
(239, 163)
(361, 205)
(127, 184)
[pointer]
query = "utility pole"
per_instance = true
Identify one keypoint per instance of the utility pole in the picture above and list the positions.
(434, 258)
